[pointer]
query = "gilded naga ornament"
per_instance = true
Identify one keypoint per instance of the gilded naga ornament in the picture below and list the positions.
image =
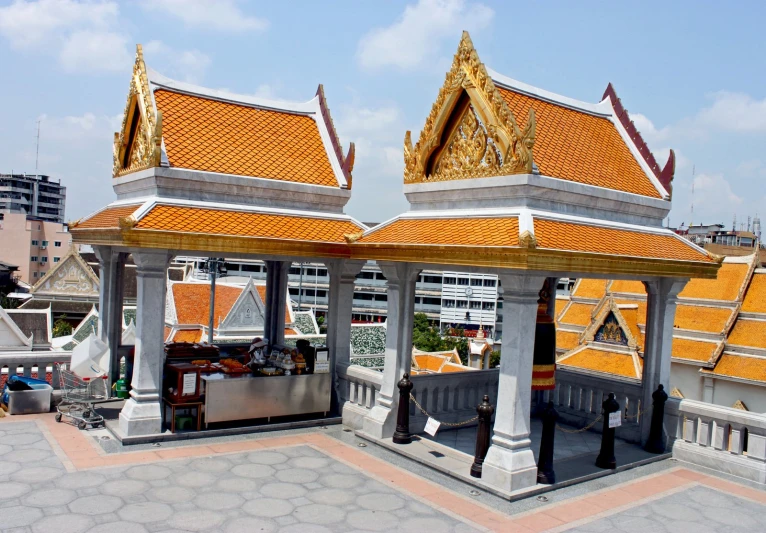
(487, 140)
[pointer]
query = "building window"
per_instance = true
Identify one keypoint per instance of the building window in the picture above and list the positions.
(378, 275)
(462, 281)
(57, 244)
(321, 272)
(35, 242)
(431, 301)
(45, 243)
(365, 274)
(251, 268)
(488, 306)
(44, 259)
(476, 283)
(295, 271)
(448, 304)
(475, 305)
(432, 279)
(489, 283)
(462, 304)
(33, 258)
(56, 259)
(39, 227)
(34, 274)
(450, 281)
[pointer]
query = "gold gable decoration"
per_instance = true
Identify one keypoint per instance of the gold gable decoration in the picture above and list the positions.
(487, 140)
(138, 145)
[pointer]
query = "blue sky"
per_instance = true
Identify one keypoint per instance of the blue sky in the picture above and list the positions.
(692, 75)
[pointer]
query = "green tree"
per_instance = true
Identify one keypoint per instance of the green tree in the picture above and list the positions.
(494, 359)
(61, 327)
(424, 336)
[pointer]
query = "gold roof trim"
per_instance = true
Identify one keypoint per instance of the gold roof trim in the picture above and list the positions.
(608, 305)
(486, 140)
(138, 145)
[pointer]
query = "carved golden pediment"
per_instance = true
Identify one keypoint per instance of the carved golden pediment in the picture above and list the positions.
(470, 132)
(138, 144)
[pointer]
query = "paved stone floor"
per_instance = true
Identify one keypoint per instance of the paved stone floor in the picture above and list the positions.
(55, 478)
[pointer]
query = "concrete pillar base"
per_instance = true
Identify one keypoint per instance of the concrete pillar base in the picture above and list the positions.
(141, 418)
(510, 470)
(380, 422)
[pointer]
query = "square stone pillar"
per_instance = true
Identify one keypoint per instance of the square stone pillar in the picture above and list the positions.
(662, 296)
(110, 300)
(510, 463)
(276, 296)
(142, 413)
(342, 274)
(402, 277)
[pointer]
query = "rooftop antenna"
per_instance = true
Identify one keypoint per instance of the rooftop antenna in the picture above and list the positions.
(734, 224)
(37, 151)
(691, 221)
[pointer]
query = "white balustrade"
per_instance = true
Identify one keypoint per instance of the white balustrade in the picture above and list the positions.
(33, 364)
(358, 388)
(721, 438)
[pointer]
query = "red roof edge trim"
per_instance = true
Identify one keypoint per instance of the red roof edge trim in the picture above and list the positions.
(333, 134)
(665, 176)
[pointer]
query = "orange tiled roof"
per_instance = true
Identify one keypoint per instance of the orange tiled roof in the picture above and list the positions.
(188, 335)
(108, 218)
(290, 331)
(213, 136)
(617, 363)
(499, 231)
(167, 333)
(755, 297)
(560, 304)
(246, 224)
(625, 286)
(748, 333)
(693, 350)
(453, 367)
(566, 340)
(726, 286)
(590, 288)
(631, 317)
(577, 314)
(702, 318)
(580, 147)
(640, 313)
(430, 362)
(741, 366)
(560, 235)
(192, 302)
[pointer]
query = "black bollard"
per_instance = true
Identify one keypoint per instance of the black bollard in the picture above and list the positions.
(484, 411)
(656, 444)
(606, 457)
(402, 433)
(545, 473)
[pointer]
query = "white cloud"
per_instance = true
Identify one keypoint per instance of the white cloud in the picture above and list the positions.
(222, 15)
(753, 168)
(364, 120)
(189, 65)
(734, 112)
(713, 195)
(85, 34)
(416, 37)
(78, 129)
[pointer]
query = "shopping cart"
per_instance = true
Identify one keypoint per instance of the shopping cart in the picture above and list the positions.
(78, 396)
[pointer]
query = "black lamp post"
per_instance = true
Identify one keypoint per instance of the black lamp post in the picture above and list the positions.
(214, 267)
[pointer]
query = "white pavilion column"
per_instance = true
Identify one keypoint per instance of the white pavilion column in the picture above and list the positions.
(381, 421)
(510, 464)
(142, 413)
(662, 296)
(110, 299)
(276, 295)
(342, 274)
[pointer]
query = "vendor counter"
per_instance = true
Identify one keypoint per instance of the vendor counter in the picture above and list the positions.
(244, 397)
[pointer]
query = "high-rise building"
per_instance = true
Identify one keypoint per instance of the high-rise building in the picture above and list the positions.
(32, 195)
(34, 244)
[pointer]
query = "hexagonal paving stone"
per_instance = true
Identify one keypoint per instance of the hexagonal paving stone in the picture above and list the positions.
(49, 497)
(171, 494)
(319, 514)
(195, 479)
(374, 521)
(5, 448)
(20, 439)
(145, 512)
(210, 464)
(266, 458)
(297, 475)
(117, 527)
(81, 480)
(19, 516)
(237, 484)
(6, 469)
(28, 455)
(331, 496)
(376, 501)
(124, 487)
(92, 505)
(67, 523)
(219, 501)
(11, 489)
(37, 474)
(309, 462)
(268, 507)
(420, 524)
(283, 491)
(249, 525)
(306, 528)
(196, 520)
(253, 471)
(148, 472)
(341, 481)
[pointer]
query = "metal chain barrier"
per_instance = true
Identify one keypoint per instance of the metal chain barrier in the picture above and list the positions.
(451, 424)
(586, 428)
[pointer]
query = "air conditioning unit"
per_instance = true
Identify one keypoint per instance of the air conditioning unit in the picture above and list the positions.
(43, 246)
(43, 263)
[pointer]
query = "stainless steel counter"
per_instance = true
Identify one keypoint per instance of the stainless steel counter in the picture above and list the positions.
(245, 397)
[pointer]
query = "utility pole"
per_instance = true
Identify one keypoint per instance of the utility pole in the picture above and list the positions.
(213, 266)
(37, 150)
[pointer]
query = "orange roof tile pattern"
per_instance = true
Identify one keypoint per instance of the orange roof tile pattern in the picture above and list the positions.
(192, 302)
(641, 311)
(290, 331)
(245, 224)
(590, 288)
(430, 362)
(617, 363)
(566, 340)
(213, 136)
(740, 366)
(579, 147)
(749, 333)
(188, 335)
(755, 298)
(693, 350)
(701, 318)
(108, 218)
(727, 285)
(557, 235)
(631, 317)
(560, 304)
(167, 333)
(577, 314)
(449, 368)
(499, 231)
(628, 287)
